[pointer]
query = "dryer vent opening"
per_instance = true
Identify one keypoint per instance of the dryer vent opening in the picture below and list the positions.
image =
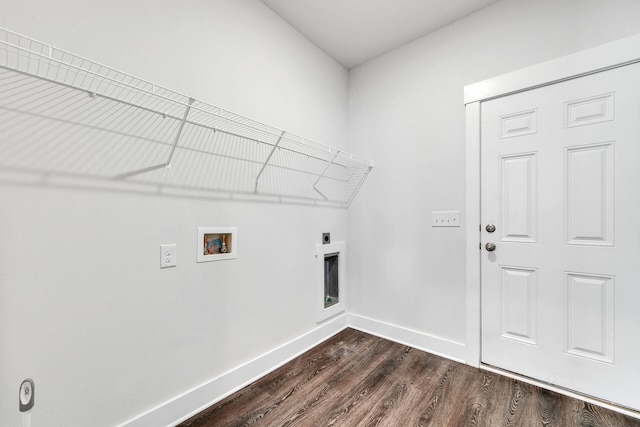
(331, 279)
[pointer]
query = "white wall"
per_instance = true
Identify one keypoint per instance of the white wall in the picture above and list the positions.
(84, 308)
(406, 112)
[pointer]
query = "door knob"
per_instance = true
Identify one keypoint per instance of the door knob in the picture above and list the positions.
(490, 247)
(490, 228)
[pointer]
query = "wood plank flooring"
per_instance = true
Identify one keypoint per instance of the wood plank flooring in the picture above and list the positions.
(356, 379)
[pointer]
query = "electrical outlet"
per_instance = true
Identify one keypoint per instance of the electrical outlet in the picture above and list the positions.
(27, 395)
(168, 256)
(446, 219)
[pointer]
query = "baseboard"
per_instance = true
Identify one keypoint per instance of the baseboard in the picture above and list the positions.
(430, 343)
(193, 401)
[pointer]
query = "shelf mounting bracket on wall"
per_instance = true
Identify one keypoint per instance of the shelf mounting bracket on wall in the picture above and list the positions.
(324, 172)
(266, 162)
(177, 138)
(166, 165)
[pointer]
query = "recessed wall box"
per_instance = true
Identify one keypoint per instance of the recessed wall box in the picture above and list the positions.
(217, 243)
(330, 268)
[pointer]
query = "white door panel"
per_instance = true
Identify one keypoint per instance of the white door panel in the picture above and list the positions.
(560, 171)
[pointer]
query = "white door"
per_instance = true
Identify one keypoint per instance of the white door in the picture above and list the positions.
(561, 184)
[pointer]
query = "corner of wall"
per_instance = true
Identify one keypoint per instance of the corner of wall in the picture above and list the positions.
(426, 342)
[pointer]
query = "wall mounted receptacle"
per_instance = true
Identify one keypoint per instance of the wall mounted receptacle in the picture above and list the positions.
(446, 219)
(168, 256)
(27, 395)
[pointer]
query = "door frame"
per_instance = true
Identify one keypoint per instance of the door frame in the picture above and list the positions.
(600, 58)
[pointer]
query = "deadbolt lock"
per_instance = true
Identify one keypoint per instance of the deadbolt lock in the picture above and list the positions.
(490, 228)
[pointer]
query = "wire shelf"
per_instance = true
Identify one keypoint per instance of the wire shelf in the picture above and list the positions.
(61, 114)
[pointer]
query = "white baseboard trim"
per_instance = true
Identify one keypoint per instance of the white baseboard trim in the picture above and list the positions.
(201, 397)
(430, 343)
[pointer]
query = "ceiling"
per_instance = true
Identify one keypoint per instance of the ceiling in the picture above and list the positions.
(354, 31)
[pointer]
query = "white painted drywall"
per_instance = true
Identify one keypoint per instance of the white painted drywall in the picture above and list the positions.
(406, 112)
(85, 309)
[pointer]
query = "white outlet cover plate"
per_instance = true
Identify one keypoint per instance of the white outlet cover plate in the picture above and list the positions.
(446, 219)
(168, 256)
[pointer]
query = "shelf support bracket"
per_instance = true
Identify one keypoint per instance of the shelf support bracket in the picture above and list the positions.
(322, 176)
(355, 191)
(266, 162)
(167, 165)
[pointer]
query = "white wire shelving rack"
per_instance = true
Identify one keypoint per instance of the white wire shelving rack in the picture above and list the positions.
(64, 115)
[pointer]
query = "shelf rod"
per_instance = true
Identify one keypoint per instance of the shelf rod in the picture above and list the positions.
(322, 175)
(175, 142)
(255, 189)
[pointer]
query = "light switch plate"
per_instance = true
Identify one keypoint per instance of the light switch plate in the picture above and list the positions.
(446, 219)
(168, 256)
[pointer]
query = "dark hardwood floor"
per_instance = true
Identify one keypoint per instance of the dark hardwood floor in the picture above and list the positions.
(356, 379)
